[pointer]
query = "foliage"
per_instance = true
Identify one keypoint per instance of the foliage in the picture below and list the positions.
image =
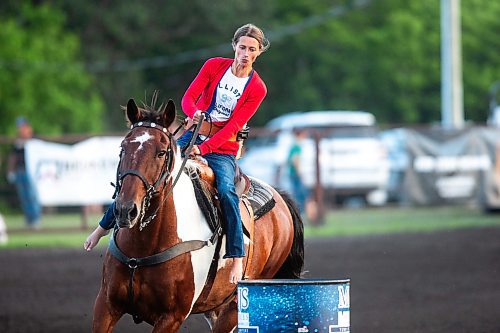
(39, 75)
(480, 53)
(383, 57)
(64, 230)
(137, 34)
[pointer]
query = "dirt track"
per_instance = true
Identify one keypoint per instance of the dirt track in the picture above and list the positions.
(441, 282)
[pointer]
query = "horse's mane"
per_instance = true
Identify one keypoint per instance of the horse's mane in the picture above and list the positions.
(192, 167)
(150, 112)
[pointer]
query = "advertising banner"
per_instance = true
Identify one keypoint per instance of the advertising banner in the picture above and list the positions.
(74, 175)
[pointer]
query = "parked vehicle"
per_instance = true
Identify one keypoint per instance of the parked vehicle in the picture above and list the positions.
(353, 161)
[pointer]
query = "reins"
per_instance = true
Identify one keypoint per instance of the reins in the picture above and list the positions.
(181, 169)
(189, 147)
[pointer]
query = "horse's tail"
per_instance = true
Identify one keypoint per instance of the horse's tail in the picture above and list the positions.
(292, 267)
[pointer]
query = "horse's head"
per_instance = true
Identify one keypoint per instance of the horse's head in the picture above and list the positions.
(146, 162)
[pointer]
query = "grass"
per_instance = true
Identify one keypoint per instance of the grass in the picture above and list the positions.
(57, 230)
(65, 230)
(400, 220)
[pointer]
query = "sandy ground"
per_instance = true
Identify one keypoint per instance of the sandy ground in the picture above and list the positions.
(440, 282)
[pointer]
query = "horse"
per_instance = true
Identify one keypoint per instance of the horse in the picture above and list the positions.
(164, 261)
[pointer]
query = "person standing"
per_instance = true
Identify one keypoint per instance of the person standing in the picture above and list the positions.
(227, 92)
(295, 172)
(18, 174)
(3, 228)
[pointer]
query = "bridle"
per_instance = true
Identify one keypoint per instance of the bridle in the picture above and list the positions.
(165, 174)
(151, 188)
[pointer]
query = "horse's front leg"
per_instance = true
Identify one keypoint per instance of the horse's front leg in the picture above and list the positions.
(105, 318)
(210, 317)
(170, 322)
(227, 320)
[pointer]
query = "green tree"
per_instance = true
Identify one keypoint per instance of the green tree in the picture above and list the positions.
(145, 45)
(383, 57)
(40, 76)
(480, 54)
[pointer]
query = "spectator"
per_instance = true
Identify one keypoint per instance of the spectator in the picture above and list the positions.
(3, 227)
(295, 172)
(18, 174)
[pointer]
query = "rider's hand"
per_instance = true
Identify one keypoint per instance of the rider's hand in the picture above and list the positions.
(189, 122)
(195, 151)
(197, 116)
(94, 238)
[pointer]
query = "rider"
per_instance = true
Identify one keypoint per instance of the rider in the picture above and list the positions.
(228, 92)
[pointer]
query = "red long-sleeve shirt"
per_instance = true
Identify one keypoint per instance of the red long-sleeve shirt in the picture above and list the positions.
(199, 96)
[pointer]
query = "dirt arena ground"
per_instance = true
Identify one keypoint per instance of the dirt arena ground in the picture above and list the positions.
(440, 282)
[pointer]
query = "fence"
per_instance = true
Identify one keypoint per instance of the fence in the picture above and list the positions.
(423, 165)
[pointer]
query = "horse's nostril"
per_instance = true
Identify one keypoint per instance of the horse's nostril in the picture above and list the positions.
(132, 214)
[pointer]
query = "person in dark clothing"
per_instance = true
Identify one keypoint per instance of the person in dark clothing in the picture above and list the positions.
(18, 175)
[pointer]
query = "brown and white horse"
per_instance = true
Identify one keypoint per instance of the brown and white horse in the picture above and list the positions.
(158, 266)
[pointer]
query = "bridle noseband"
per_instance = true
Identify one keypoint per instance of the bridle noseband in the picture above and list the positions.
(151, 189)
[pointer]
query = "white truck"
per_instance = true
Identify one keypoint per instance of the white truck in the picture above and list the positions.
(353, 161)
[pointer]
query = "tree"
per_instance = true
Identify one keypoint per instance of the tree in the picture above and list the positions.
(480, 54)
(383, 57)
(130, 40)
(40, 76)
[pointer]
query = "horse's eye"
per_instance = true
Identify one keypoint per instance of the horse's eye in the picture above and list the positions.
(162, 153)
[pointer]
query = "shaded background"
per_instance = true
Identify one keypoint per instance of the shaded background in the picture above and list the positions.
(69, 65)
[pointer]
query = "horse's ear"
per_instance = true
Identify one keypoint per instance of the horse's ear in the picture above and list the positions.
(132, 111)
(169, 114)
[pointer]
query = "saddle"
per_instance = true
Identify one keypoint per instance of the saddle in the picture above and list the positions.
(256, 197)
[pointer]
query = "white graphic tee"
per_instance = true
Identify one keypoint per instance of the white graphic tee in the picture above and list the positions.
(229, 91)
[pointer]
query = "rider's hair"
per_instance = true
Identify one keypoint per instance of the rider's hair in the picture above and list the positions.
(251, 30)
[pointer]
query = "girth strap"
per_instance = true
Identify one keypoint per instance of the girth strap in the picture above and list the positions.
(158, 258)
(212, 271)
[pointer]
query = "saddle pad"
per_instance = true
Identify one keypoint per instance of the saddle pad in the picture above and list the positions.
(261, 197)
(206, 202)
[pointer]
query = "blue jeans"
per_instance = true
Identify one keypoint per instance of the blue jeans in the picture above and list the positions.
(300, 192)
(223, 166)
(29, 198)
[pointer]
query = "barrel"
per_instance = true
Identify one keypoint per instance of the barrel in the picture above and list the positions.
(298, 306)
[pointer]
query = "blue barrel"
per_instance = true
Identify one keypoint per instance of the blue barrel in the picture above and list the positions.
(298, 306)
